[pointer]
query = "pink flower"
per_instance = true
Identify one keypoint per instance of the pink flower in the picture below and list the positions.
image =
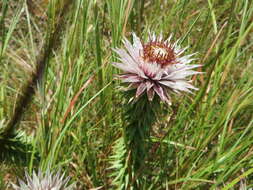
(156, 67)
(47, 181)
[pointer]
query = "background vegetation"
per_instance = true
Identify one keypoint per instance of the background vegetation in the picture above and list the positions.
(73, 119)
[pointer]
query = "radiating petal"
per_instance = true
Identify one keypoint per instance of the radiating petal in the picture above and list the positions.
(125, 67)
(179, 85)
(159, 91)
(168, 40)
(141, 88)
(168, 98)
(125, 57)
(186, 59)
(179, 51)
(134, 52)
(149, 85)
(179, 75)
(167, 83)
(160, 37)
(154, 37)
(137, 42)
(180, 67)
(175, 44)
(130, 78)
(158, 75)
(151, 70)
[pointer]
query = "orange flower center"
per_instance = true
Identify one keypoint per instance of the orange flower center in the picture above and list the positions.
(159, 52)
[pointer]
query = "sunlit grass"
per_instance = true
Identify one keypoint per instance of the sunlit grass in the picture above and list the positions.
(203, 141)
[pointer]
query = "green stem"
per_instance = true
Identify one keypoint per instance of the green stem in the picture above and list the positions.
(131, 150)
(139, 118)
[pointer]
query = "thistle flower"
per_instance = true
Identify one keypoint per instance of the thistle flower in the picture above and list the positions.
(49, 181)
(156, 67)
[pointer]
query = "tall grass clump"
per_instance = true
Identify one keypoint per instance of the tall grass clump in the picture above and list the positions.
(61, 107)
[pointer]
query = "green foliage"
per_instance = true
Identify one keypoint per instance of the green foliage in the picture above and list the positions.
(17, 150)
(132, 148)
(203, 142)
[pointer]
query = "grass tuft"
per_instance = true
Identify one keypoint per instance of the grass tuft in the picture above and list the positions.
(57, 88)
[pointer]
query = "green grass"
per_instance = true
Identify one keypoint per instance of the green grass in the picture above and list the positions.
(205, 139)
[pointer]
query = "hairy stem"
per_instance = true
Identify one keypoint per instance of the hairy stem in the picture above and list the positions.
(132, 149)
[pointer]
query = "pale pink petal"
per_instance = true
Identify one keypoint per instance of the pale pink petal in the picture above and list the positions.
(137, 42)
(179, 85)
(151, 70)
(141, 88)
(180, 67)
(160, 92)
(186, 84)
(160, 37)
(179, 75)
(167, 83)
(134, 52)
(151, 37)
(125, 67)
(179, 51)
(125, 57)
(168, 98)
(175, 44)
(186, 59)
(158, 75)
(130, 69)
(168, 40)
(149, 85)
(130, 78)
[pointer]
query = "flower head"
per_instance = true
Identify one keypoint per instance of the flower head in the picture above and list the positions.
(156, 67)
(49, 181)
